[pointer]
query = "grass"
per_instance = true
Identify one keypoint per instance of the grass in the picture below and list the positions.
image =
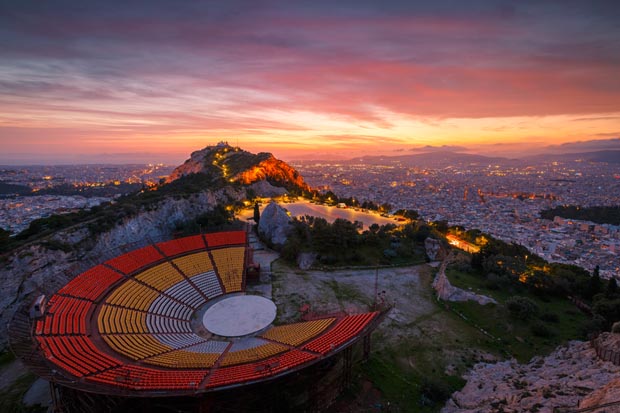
(347, 293)
(11, 398)
(516, 335)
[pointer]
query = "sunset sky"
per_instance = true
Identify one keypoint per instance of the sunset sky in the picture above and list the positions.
(130, 81)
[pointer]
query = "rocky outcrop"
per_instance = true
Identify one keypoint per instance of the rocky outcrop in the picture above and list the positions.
(36, 269)
(275, 224)
(448, 292)
(237, 165)
(266, 190)
(571, 376)
(435, 251)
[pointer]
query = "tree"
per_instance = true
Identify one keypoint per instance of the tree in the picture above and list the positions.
(595, 285)
(256, 213)
(521, 307)
(612, 287)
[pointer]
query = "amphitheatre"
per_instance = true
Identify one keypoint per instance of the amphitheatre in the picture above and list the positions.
(173, 319)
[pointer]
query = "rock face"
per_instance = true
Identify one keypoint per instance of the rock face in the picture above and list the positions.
(266, 190)
(36, 269)
(274, 224)
(567, 376)
(448, 292)
(434, 249)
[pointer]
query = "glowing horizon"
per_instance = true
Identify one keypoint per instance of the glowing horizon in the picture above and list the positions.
(162, 79)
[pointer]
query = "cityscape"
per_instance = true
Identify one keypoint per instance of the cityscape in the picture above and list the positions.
(331, 206)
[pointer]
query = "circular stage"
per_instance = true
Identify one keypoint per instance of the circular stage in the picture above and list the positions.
(250, 313)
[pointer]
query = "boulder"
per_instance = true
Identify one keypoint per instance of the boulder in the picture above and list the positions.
(434, 249)
(274, 225)
(306, 259)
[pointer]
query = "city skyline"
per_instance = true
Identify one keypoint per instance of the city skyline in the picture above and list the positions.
(152, 82)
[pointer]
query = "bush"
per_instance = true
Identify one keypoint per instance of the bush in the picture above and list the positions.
(521, 307)
(540, 329)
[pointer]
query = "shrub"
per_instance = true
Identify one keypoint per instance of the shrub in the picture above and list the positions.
(521, 307)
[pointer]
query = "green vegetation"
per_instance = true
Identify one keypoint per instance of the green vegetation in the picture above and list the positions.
(525, 322)
(341, 244)
(598, 214)
(11, 397)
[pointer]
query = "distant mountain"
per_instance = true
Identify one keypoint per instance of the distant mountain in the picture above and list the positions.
(236, 165)
(584, 146)
(610, 156)
(432, 159)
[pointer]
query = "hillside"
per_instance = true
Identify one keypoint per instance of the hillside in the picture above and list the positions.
(232, 164)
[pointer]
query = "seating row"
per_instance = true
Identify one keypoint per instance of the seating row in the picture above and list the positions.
(230, 264)
(91, 283)
(297, 333)
(252, 371)
(161, 277)
(143, 378)
(219, 239)
(252, 354)
(135, 346)
(132, 294)
(136, 259)
(181, 245)
(158, 324)
(164, 305)
(115, 320)
(184, 359)
(76, 354)
(194, 264)
(343, 331)
(65, 315)
(208, 284)
(186, 293)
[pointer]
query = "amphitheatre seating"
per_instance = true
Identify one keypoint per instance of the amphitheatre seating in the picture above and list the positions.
(160, 277)
(219, 239)
(208, 284)
(343, 331)
(131, 261)
(135, 346)
(66, 315)
(180, 340)
(92, 283)
(255, 349)
(298, 333)
(252, 371)
(159, 324)
(194, 264)
(164, 305)
(144, 378)
(145, 321)
(118, 320)
(76, 354)
(184, 359)
(132, 294)
(182, 245)
(230, 265)
(186, 293)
